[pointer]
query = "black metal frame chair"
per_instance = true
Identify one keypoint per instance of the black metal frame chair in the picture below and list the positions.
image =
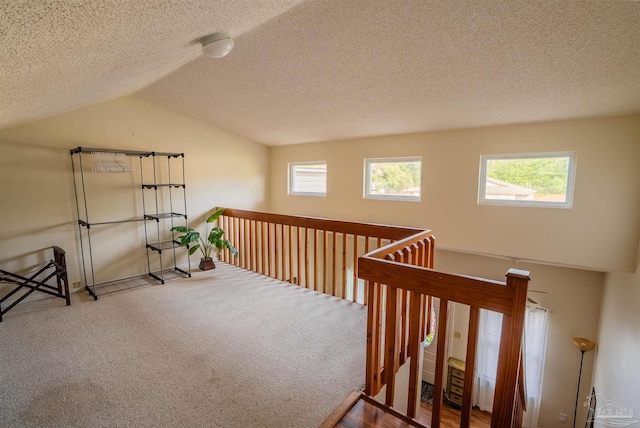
(61, 289)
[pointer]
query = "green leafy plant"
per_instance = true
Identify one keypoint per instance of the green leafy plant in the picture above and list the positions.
(215, 239)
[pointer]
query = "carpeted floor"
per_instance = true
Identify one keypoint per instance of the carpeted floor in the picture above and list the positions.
(226, 348)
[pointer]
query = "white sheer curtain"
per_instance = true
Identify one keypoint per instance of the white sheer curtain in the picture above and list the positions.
(535, 339)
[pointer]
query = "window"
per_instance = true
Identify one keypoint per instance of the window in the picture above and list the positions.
(527, 179)
(308, 178)
(535, 341)
(393, 178)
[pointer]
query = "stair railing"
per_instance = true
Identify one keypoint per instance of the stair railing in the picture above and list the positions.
(390, 270)
(399, 281)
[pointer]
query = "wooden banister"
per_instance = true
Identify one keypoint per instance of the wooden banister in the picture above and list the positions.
(486, 294)
(315, 253)
(393, 266)
(381, 231)
(405, 266)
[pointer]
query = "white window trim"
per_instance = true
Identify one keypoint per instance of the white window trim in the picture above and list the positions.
(291, 183)
(367, 181)
(571, 176)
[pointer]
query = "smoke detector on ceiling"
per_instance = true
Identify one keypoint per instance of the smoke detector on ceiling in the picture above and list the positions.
(216, 45)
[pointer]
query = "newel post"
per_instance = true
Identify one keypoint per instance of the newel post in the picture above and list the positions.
(510, 346)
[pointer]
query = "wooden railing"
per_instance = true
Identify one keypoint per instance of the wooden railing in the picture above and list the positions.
(389, 269)
(398, 266)
(318, 254)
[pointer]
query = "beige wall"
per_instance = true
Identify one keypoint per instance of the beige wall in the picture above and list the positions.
(573, 298)
(617, 368)
(36, 188)
(600, 232)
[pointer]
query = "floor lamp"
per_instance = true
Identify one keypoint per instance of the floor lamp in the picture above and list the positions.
(584, 345)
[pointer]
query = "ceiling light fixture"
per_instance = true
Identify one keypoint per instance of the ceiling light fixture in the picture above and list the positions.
(216, 45)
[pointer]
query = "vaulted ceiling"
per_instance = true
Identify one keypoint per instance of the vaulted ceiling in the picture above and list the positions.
(315, 70)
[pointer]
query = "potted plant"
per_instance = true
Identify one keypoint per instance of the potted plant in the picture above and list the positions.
(214, 240)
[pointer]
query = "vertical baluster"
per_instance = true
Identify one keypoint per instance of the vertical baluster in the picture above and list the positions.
(416, 261)
(344, 265)
(269, 254)
(243, 254)
(315, 260)
(238, 243)
(299, 270)
(442, 337)
(355, 268)
(415, 254)
(251, 244)
(244, 244)
(429, 311)
(391, 362)
(373, 339)
(421, 248)
(325, 243)
(263, 249)
(264, 246)
(423, 305)
(234, 232)
(406, 258)
(415, 322)
(282, 254)
(247, 237)
(405, 326)
(257, 244)
(366, 290)
(255, 252)
(432, 248)
(429, 250)
(256, 248)
(290, 258)
(334, 290)
(228, 230)
(379, 243)
(472, 343)
(236, 228)
(221, 253)
(381, 291)
(306, 258)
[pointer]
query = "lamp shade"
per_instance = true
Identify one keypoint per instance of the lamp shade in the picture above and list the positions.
(217, 45)
(585, 345)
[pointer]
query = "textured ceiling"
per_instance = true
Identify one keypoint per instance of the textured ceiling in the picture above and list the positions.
(60, 55)
(304, 71)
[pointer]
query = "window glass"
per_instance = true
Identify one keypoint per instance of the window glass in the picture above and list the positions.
(308, 178)
(393, 178)
(530, 179)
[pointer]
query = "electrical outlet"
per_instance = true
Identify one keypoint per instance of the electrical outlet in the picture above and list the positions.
(563, 418)
(77, 284)
(457, 334)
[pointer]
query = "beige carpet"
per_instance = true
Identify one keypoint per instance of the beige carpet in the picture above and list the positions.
(226, 348)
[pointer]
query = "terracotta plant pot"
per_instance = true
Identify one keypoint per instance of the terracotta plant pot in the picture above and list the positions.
(206, 263)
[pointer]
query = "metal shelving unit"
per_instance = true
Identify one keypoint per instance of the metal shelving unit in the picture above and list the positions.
(164, 220)
(158, 243)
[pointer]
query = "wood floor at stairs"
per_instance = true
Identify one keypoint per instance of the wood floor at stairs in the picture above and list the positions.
(450, 417)
(361, 411)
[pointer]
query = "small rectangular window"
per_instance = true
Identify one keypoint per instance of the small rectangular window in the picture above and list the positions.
(527, 179)
(308, 178)
(393, 178)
